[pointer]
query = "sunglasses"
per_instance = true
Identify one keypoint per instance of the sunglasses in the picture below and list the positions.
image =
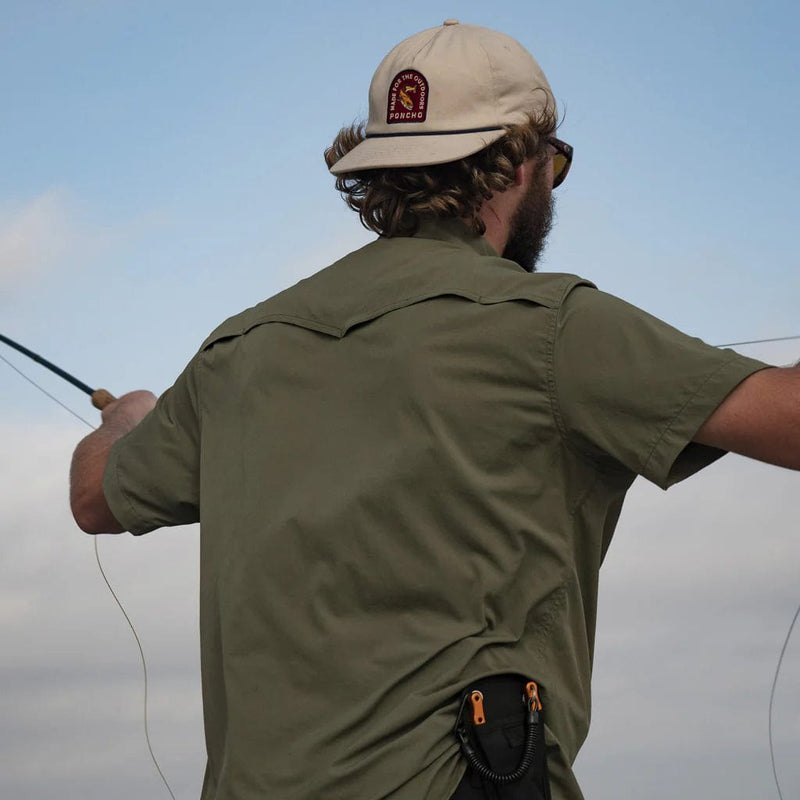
(562, 159)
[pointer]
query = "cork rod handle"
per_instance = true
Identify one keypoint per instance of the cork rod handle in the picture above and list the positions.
(101, 398)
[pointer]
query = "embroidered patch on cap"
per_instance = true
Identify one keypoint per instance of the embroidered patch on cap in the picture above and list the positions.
(408, 97)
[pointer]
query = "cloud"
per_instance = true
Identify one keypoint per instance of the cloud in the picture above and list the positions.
(54, 232)
(36, 236)
(696, 597)
(71, 706)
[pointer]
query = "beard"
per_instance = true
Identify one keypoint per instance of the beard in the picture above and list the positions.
(530, 226)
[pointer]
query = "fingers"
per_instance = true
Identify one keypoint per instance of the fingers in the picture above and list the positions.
(127, 411)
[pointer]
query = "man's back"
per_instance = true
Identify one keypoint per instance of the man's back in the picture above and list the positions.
(393, 503)
(381, 553)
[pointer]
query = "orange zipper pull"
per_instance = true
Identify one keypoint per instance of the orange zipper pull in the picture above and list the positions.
(532, 693)
(476, 698)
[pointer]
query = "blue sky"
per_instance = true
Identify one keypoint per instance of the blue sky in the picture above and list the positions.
(163, 169)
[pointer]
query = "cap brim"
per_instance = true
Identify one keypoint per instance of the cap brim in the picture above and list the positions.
(414, 151)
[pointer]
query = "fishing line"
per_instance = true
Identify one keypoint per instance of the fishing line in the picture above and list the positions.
(759, 341)
(772, 698)
(44, 391)
(110, 588)
(144, 665)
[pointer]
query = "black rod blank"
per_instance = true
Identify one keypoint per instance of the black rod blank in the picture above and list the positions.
(45, 363)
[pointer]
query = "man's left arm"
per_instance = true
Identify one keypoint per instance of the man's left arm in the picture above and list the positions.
(632, 388)
(760, 418)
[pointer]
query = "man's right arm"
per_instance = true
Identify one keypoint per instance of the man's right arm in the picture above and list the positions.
(87, 500)
(760, 418)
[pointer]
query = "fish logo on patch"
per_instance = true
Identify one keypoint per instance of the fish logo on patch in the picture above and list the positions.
(408, 97)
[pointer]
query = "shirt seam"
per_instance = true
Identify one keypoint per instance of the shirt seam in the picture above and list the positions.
(555, 407)
(340, 332)
(200, 415)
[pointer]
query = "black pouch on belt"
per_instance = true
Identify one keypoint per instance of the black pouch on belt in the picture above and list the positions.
(500, 729)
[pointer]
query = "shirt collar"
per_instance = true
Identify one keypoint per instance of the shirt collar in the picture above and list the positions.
(456, 232)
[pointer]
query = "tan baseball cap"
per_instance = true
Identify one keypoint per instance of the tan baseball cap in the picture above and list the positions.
(444, 94)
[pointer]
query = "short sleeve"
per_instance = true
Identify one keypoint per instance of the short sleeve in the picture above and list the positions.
(631, 388)
(152, 477)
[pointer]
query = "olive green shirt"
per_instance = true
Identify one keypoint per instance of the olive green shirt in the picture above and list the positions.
(407, 470)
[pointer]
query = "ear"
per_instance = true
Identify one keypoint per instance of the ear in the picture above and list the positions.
(525, 172)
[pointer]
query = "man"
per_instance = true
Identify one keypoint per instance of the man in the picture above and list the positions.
(408, 467)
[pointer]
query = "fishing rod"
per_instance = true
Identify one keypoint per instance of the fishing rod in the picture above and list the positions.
(100, 397)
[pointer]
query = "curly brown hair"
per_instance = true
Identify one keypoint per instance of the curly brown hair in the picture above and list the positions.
(393, 201)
